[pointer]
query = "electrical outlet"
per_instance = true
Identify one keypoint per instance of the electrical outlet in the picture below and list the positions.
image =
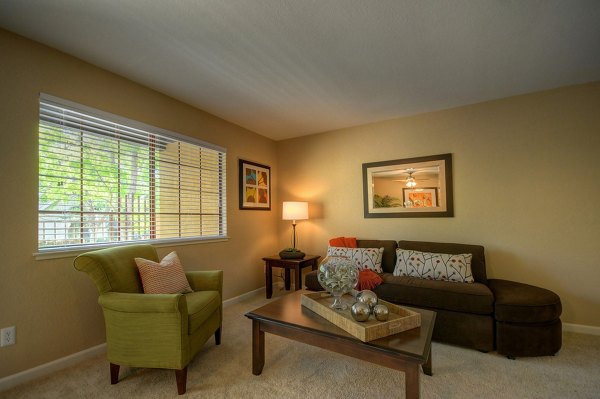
(8, 336)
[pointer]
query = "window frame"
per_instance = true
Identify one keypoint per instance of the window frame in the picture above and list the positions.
(69, 250)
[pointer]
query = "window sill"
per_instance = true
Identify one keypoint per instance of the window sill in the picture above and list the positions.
(74, 251)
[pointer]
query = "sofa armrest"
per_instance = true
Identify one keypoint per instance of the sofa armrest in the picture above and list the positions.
(206, 280)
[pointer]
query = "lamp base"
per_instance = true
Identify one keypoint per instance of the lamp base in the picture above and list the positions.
(291, 253)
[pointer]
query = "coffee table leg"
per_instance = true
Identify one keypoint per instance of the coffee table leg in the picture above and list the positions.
(411, 380)
(427, 369)
(258, 348)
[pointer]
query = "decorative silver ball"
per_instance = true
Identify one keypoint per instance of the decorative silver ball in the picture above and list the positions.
(381, 312)
(368, 297)
(360, 311)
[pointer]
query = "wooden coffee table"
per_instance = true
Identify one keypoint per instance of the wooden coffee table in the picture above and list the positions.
(287, 317)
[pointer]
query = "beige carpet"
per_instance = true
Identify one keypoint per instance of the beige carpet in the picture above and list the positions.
(294, 370)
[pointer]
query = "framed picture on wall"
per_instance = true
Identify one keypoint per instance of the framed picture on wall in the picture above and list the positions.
(255, 186)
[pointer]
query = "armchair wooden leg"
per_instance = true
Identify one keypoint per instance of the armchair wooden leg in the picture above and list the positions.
(218, 336)
(181, 377)
(114, 373)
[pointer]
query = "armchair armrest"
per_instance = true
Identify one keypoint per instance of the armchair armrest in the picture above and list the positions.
(146, 330)
(143, 303)
(206, 280)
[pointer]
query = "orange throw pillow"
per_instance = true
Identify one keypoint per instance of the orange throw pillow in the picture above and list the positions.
(166, 277)
(337, 242)
(346, 242)
(368, 279)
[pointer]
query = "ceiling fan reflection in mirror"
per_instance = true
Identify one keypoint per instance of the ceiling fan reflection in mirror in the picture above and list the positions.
(410, 180)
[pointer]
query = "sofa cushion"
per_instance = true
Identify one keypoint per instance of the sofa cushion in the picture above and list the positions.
(523, 303)
(434, 266)
(477, 263)
(201, 305)
(362, 258)
(311, 281)
(473, 298)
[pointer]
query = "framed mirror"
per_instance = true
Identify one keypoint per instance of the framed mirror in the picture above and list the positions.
(412, 187)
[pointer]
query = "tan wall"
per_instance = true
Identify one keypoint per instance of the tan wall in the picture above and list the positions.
(526, 186)
(54, 307)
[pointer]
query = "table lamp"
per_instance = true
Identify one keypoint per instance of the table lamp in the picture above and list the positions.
(294, 210)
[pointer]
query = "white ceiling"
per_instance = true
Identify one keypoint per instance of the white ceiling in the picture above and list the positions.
(286, 68)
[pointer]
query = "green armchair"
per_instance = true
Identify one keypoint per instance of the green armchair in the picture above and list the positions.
(152, 330)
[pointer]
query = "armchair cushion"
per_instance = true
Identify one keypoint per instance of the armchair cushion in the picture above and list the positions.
(166, 277)
(201, 305)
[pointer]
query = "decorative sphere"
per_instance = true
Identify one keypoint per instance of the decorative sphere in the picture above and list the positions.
(360, 311)
(381, 312)
(368, 297)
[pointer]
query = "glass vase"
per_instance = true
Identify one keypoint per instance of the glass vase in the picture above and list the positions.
(338, 276)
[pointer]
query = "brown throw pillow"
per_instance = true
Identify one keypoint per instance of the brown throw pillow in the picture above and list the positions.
(166, 277)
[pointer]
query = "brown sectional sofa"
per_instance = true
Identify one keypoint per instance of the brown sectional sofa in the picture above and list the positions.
(466, 311)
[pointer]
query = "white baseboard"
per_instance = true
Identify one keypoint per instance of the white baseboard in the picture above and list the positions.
(582, 329)
(240, 298)
(51, 367)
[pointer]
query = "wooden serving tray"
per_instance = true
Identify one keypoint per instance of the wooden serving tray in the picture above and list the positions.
(400, 319)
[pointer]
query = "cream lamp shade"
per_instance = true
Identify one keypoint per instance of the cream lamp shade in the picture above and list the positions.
(294, 210)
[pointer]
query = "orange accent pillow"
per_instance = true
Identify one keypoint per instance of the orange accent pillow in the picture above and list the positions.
(346, 242)
(166, 277)
(368, 279)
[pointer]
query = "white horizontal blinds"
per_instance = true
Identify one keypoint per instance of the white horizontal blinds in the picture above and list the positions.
(101, 181)
(190, 183)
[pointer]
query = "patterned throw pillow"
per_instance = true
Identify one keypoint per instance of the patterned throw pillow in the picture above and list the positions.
(363, 258)
(166, 277)
(434, 266)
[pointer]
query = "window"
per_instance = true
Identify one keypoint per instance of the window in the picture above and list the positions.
(105, 179)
